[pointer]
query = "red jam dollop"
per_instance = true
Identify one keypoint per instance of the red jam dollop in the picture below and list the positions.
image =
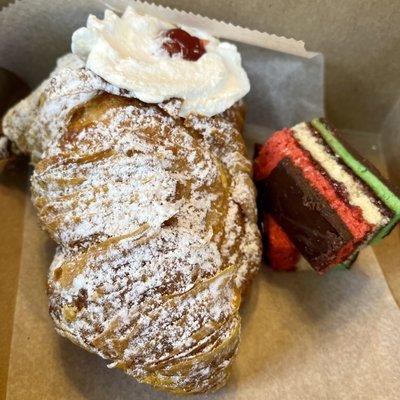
(178, 41)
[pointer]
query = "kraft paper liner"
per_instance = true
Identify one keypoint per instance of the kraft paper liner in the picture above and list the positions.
(303, 336)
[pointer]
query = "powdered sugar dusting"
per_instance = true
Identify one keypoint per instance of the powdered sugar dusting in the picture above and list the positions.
(155, 220)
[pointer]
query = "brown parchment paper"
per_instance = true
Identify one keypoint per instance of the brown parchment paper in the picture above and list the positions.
(303, 336)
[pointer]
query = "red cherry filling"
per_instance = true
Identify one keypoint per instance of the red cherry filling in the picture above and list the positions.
(178, 41)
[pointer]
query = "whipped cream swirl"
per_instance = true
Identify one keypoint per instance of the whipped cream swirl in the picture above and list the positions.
(128, 52)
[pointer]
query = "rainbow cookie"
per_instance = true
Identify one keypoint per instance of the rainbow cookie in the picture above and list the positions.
(279, 251)
(328, 200)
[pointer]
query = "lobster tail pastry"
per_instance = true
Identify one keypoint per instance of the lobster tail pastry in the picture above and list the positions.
(155, 220)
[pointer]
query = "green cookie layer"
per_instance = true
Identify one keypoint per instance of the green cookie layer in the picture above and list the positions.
(378, 187)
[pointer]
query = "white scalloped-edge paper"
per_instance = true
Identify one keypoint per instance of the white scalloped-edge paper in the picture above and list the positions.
(216, 28)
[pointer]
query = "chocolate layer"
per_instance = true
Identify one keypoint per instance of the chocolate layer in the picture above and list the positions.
(383, 189)
(394, 188)
(307, 218)
(340, 189)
